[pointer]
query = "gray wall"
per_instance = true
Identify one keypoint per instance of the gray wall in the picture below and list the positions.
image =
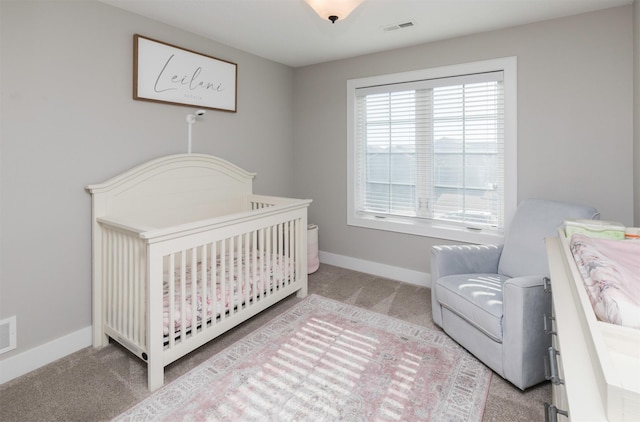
(575, 125)
(68, 120)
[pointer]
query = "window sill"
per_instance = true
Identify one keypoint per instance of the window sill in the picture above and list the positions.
(428, 228)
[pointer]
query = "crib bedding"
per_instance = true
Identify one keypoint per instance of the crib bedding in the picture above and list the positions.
(610, 270)
(242, 271)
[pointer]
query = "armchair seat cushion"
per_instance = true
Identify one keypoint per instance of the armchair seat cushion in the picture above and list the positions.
(476, 298)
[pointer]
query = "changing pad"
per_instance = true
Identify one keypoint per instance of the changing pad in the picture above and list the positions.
(610, 270)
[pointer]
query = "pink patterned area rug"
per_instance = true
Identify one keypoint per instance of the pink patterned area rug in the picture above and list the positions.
(324, 360)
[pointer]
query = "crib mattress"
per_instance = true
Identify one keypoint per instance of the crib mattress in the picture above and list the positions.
(610, 270)
(232, 282)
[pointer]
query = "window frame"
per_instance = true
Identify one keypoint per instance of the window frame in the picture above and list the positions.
(436, 228)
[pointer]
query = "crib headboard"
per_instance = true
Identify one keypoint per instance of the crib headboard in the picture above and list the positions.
(174, 189)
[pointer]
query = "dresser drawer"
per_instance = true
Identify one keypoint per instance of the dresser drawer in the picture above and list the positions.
(555, 373)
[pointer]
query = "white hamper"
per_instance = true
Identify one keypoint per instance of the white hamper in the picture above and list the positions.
(313, 262)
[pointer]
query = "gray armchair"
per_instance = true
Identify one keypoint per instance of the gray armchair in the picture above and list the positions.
(491, 299)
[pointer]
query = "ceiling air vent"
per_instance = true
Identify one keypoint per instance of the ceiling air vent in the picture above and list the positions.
(395, 26)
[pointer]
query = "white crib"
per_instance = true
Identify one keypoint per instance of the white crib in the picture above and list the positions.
(183, 251)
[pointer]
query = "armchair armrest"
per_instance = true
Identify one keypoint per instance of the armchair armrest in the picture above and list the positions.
(524, 341)
(464, 259)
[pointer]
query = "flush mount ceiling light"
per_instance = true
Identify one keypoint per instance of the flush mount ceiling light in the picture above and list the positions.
(333, 9)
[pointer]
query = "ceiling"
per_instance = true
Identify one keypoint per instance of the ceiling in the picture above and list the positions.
(289, 31)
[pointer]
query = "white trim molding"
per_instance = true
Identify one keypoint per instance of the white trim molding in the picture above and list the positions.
(42, 355)
(382, 270)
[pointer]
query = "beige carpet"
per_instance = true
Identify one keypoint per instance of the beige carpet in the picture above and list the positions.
(97, 385)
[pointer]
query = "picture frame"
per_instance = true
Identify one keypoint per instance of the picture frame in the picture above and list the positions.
(165, 73)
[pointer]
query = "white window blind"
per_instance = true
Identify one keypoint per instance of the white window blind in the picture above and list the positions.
(432, 149)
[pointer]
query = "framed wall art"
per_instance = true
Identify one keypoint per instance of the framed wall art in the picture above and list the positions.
(168, 74)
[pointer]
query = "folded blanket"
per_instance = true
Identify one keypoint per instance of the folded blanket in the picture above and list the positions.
(610, 270)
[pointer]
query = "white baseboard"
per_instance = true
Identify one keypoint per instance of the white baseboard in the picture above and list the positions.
(42, 355)
(375, 268)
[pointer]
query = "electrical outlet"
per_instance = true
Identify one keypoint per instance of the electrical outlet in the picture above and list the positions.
(7, 334)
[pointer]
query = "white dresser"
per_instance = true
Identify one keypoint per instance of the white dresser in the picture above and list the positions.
(594, 366)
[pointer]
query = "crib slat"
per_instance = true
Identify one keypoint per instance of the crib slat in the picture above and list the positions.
(254, 265)
(240, 281)
(243, 265)
(277, 249)
(300, 248)
(171, 288)
(183, 295)
(133, 288)
(194, 291)
(282, 256)
(113, 321)
(142, 309)
(236, 275)
(246, 282)
(120, 266)
(107, 274)
(129, 289)
(260, 259)
(287, 253)
(272, 258)
(223, 280)
(267, 261)
(232, 276)
(294, 257)
(294, 248)
(214, 284)
(204, 287)
(277, 257)
(124, 274)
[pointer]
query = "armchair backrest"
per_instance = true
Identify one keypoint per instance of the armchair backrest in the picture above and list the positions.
(524, 250)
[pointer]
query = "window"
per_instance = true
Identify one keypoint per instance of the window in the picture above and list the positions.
(433, 152)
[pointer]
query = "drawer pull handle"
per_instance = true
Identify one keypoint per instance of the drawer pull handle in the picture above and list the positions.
(551, 413)
(552, 374)
(546, 282)
(548, 324)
